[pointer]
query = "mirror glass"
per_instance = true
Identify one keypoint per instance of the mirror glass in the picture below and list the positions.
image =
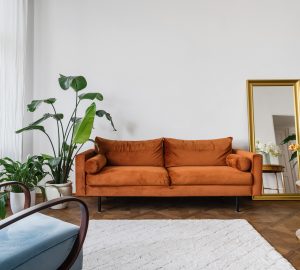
(274, 121)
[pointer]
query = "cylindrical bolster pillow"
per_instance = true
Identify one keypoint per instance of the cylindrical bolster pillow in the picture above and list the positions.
(95, 164)
(238, 162)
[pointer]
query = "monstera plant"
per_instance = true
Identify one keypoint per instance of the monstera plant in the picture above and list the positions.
(71, 134)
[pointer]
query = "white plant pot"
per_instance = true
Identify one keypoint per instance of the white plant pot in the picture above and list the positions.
(54, 191)
(17, 201)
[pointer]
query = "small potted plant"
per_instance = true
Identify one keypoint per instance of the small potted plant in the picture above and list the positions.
(267, 150)
(30, 173)
(70, 137)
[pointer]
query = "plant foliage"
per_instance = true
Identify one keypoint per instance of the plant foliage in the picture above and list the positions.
(30, 172)
(74, 134)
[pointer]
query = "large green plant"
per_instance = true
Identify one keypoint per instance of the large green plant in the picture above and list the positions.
(76, 131)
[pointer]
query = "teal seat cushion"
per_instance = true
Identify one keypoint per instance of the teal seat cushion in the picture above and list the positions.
(36, 242)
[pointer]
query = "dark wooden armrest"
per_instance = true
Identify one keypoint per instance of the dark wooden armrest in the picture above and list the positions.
(84, 222)
(23, 187)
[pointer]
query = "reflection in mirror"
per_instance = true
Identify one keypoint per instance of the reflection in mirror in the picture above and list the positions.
(274, 121)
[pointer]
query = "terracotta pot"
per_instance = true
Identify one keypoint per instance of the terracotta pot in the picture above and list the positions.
(17, 201)
(54, 191)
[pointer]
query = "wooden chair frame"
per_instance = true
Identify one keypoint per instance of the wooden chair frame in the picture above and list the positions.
(84, 221)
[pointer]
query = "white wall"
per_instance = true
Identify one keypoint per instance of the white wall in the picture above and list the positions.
(166, 67)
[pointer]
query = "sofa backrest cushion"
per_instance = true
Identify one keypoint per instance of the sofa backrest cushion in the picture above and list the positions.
(132, 153)
(197, 152)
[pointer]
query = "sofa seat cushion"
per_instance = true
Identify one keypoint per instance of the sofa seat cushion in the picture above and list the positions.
(197, 152)
(36, 242)
(131, 153)
(208, 175)
(129, 176)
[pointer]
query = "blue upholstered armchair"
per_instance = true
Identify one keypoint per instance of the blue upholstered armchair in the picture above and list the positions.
(30, 240)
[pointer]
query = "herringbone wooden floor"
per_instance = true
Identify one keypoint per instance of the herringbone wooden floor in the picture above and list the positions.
(276, 221)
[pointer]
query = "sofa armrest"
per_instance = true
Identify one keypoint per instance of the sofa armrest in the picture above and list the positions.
(80, 170)
(256, 169)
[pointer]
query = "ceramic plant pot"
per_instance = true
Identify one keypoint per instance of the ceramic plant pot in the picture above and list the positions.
(17, 200)
(54, 191)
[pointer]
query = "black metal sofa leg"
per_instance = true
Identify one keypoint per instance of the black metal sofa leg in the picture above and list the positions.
(237, 203)
(99, 204)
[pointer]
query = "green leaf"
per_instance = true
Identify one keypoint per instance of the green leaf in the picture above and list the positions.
(35, 125)
(3, 197)
(293, 156)
(46, 156)
(289, 138)
(83, 129)
(76, 82)
(91, 96)
(54, 162)
(101, 113)
(58, 116)
(46, 116)
(65, 82)
(41, 128)
(35, 103)
(50, 100)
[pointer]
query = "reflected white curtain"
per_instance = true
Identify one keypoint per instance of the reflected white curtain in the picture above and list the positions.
(13, 32)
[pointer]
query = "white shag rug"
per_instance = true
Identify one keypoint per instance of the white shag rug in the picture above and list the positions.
(178, 244)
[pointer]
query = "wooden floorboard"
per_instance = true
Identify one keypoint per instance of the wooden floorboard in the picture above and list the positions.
(276, 221)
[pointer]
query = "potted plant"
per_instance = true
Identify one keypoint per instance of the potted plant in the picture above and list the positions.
(30, 173)
(71, 136)
(267, 150)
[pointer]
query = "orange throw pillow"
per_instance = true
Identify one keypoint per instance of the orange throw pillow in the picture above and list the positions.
(95, 164)
(197, 152)
(132, 153)
(236, 161)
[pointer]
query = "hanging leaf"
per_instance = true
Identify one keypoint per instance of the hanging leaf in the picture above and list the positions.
(289, 138)
(35, 103)
(293, 156)
(41, 128)
(101, 113)
(91, 96)
(83, 129)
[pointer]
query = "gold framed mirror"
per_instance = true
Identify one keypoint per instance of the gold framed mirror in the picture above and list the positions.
(273, 112)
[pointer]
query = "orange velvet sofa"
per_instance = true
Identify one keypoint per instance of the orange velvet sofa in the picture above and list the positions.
(167, 167)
